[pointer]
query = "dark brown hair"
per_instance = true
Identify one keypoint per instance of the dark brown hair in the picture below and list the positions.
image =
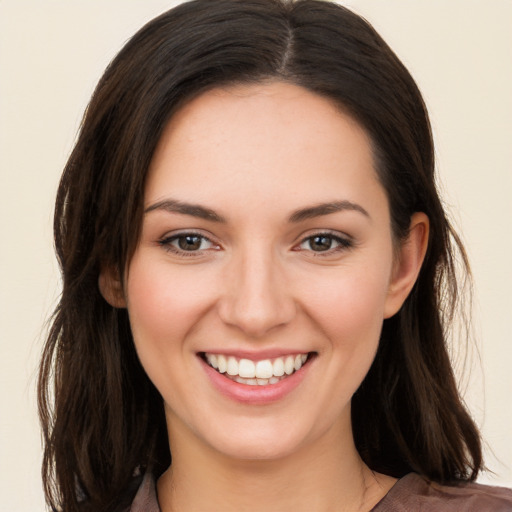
(102, 418)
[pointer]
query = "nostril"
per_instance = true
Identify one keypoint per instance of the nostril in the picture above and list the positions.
(256, 318)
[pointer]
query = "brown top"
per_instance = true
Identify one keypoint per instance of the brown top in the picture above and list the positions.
(415, 493)
(412, 493)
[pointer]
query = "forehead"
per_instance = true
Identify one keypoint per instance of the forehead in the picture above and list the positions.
(274, 141)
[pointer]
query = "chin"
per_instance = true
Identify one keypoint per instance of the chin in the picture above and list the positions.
(259, 443)
(255, 450)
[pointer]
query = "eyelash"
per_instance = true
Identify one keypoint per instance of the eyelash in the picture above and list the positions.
(343, 243)
(166, 243)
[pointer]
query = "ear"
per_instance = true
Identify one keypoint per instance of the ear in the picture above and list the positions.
(408, 263)
(111, 287)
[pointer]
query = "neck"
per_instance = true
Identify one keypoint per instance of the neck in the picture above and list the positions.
(325, 476)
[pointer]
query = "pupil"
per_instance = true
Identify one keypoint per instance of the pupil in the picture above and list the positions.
(189, 243)
(320, 243)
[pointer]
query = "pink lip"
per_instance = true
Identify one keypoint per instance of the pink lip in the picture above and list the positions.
(256, 395)
(256, 356)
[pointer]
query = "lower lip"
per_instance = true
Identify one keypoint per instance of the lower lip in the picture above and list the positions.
(247, 394)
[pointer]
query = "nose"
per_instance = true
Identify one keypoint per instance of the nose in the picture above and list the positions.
(258, 298)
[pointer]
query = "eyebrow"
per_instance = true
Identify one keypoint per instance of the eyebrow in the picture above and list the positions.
(310, 212)
(325, 209)
(194, 210)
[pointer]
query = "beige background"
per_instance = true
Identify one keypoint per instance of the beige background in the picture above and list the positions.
(52, 52)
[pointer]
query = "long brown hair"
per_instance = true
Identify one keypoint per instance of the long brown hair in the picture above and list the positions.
(102, 418)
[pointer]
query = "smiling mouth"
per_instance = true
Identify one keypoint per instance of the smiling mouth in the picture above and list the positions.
(256, 373)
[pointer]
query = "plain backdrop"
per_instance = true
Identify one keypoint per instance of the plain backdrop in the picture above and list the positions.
(52, 52)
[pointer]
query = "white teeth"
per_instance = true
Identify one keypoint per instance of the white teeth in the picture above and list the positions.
(264, 369)
(221, 361)
(232, 366)
(278, 366)
(212, 359)
(289, 365)
(246, 369)
(253, 373)
(256, 382)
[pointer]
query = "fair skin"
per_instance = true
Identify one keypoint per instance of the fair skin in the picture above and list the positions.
(250, 269)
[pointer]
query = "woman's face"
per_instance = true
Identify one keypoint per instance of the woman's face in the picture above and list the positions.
(266, 250)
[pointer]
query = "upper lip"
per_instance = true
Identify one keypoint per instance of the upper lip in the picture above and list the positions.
(256, 355)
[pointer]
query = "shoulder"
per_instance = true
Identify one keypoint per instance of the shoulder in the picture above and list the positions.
(145, 500)
(415, 493)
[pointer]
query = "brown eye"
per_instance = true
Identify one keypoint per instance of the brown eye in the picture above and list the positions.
(325, 243)
(189, 242)
(320, 243)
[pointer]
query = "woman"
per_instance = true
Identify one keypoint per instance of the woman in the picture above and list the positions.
(258, 274)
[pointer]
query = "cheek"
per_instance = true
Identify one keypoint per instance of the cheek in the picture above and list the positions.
(348, 302)
(346, 308)
(163, 304)
(349, 310)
